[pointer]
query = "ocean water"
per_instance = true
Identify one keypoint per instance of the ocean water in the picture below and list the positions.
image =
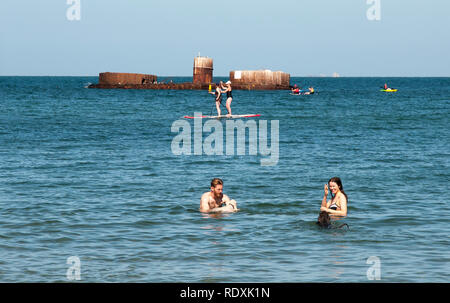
(91, 174)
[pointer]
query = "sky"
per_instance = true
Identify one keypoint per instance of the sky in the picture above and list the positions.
(299, 37)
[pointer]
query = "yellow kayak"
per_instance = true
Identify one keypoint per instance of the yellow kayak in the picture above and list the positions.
(389, 90)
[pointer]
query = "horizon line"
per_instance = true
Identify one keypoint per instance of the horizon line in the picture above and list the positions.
(297, 76)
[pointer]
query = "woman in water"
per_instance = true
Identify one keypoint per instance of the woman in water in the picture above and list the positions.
(337, 206)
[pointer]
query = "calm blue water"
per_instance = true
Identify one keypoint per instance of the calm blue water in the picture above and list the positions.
(90, 173)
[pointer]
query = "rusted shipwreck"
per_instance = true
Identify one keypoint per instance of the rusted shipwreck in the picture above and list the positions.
(202, 79)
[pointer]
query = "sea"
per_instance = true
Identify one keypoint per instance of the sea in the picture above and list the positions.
(104, 185)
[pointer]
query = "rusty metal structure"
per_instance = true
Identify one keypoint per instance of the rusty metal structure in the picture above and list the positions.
(202, 79)
(203, 70)
(260, 79)
(125, 78)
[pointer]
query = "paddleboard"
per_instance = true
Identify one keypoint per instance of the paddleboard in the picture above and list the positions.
(388, 90)
(223, 116)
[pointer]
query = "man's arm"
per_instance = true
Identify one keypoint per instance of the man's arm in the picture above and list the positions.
(204, 205)
(231, 206)
(220, 209)
(226, 199)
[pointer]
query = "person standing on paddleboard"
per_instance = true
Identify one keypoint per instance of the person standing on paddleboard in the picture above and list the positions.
(227, 89)
(218, 96)
(215, 200)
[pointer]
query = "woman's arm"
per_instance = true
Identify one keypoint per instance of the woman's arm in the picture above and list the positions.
(325, 195)
(343, 211)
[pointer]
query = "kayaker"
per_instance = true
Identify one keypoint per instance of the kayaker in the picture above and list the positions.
(310, 91)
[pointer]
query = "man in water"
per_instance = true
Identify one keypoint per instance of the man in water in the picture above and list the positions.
(215, 200)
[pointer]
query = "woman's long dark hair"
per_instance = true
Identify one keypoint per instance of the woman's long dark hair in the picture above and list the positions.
(338, 181)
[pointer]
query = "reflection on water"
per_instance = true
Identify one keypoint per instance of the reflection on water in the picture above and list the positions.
(214, 215)
(337, 263)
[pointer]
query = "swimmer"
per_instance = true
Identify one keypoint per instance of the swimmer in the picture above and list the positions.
(216, 201)
(337, 206)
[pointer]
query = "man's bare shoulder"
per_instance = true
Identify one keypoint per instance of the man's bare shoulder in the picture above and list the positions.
(206, 196)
